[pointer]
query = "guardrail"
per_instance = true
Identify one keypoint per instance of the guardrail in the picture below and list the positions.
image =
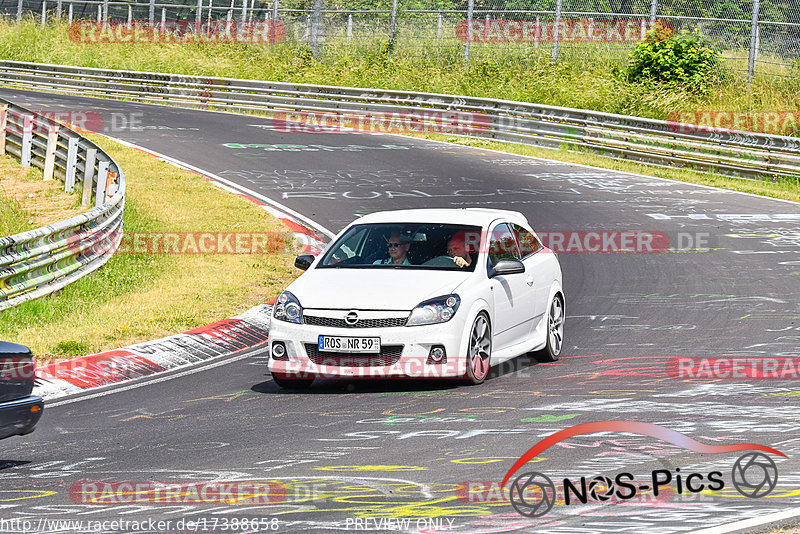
(41, 261)
(650, 141)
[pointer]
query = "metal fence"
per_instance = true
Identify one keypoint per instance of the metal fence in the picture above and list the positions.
(41, 261)
(654, 142)
(753, 35)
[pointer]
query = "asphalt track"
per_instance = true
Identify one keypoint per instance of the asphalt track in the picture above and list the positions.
(350, 455)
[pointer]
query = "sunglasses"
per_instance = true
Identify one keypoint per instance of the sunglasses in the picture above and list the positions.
(392, 245)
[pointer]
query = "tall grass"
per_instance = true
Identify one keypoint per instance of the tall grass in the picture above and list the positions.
(585, 76)
(12, 219)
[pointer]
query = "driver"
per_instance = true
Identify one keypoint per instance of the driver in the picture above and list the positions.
(459, 248)
(398, 251)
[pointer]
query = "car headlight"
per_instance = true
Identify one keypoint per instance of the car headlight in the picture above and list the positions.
(434, 311)
(287, 308)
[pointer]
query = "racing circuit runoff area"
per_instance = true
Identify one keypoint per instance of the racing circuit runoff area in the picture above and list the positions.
(221, 448)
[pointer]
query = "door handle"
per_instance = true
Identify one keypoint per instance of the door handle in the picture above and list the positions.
(529, 280)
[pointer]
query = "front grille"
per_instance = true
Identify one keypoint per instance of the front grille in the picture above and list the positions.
(389, 355)
(362, 323)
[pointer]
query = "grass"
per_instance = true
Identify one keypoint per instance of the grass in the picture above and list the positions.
(138, 297)
(586, 76)
(28, 202)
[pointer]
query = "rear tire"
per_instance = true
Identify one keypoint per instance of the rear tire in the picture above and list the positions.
(555, 331)
(292, 383)
(479, 350)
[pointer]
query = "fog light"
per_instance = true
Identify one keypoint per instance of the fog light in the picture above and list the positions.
(437, 354)
(278, 350)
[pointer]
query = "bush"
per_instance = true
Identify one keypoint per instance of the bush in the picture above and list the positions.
(684, 58)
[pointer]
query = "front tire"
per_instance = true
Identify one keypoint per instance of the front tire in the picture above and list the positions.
(479, 350)
(292, 383)
(555, 331)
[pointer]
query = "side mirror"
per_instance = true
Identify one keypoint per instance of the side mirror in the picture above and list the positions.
(507, 266)
(304, 261)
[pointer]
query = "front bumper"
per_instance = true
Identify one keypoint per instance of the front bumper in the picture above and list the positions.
(405, 352)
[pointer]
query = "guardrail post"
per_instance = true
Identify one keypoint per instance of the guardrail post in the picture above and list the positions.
(27, 140)
(72, 165)
(69, 16)
(163, 19)
(556, 28)
(58, 10)
(105, 10)
(50, 152)
(152, 12)
(751, 60)
(130, 16)
(44, 12)
(19, 11)
(99, 13)
(316, 23)
(468, 33)
(3, 125)
(88, 176)
(102, 177)
(198, 17)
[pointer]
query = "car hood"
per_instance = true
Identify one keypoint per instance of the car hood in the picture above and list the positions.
(373, 289)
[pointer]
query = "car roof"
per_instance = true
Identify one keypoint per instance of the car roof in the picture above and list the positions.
(467, 216)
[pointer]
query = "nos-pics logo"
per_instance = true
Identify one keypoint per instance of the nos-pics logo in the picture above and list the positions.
(533, 494)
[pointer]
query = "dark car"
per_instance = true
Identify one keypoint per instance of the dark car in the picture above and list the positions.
(19, 410)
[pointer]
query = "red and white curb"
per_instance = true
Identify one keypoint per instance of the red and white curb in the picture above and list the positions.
(227, 337)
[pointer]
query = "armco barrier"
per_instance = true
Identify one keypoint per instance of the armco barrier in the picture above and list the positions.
(650, 141)
(41, 261)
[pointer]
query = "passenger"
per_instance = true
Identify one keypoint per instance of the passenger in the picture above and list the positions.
(398, 251)
(459, 248)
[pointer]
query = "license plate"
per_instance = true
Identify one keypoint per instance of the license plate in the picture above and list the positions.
(349, 344)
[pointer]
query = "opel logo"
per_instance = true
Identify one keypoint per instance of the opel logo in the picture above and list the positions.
(351, 318)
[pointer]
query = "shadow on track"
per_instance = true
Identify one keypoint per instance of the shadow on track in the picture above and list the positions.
(331, 386)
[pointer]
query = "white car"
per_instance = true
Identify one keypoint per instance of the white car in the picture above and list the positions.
(428, 293)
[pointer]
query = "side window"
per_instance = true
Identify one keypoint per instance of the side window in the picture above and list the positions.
(502, 244)
(528, 244)
(349, 248)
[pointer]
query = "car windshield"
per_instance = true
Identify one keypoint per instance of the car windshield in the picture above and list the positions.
(406, 246)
